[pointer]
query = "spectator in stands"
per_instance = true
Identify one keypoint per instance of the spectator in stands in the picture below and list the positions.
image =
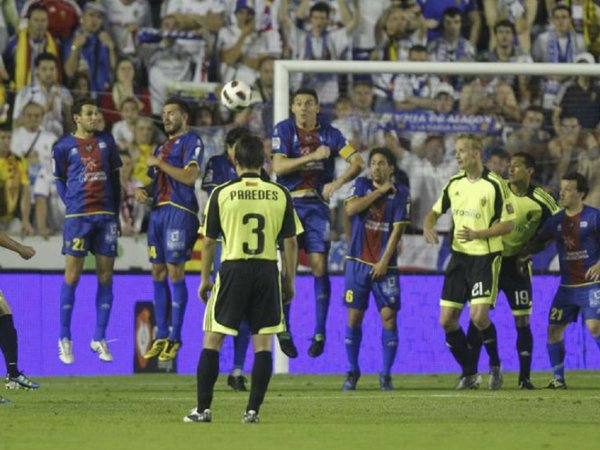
(434, 13)
(428, 178)
(165, 61)
(317, 44)
(585, 16)
(124, 19)
(124, 130)
(240, 47)
(146, 138)
(570, 148)
(266, 19)
(342, 13)
(368, 13)
(63, 16)
(132, 213)
(451, 46)
(395, 38)
(15, 199)
(560, 44)
(91, 50)
(489, 96)
(260, 115)
(521, 13)
(126, 85)
(505, 49)
(79, 86)
(8, 16)
(497, 160)
(532, 138)
(579, 97)
(205, 18)
(46, 91)
(25, 46)
(415, 91)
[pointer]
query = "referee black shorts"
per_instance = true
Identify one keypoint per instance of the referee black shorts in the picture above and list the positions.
(246, 290)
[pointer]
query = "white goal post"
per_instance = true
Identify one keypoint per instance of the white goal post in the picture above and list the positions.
(284, 68)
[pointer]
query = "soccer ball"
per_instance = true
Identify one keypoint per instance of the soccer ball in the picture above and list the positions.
(235, 95)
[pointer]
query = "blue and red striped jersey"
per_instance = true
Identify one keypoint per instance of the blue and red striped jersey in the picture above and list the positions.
(293, 142)
(86, 166)
(371, 229)
(578, 243)
(219, 170)
(181, 151)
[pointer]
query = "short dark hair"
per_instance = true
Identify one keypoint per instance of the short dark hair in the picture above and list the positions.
(320, 7)
(505, 23)
(418, 48)
(249, 152)
(528, 159)
(182, 104)
(265, 59)
(563, 7)
(36, 7)
(234, 135)
(497, 151)
(362, 82)
(582, 183)
(386, 153)
(45, 56)
(129, 100)
(306, 91)
(79, 104)
(535, 109)
(451, 12)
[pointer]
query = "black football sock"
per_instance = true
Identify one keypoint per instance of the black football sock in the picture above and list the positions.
(8, 344)
(261, 375)
(206, 376)
(474, 341)
(457, 343)
(525, 349)
(491, 344)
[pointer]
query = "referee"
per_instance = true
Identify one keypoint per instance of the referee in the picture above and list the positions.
(250, 214)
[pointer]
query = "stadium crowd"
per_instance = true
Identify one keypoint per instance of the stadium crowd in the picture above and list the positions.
(130, 55)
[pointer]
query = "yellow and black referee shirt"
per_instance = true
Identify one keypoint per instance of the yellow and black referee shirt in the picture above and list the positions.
(250, 214)
(477, 205)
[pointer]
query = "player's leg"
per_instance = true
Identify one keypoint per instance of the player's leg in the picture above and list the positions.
(176, 273)
(236, 379)
(104, 300)
(387, 298)
(160, 284)
(322, 289)
(593, 325)
(482, 281)
(564, 310)
(15, 379)
(261, 376)
(285, 338)
(73, 270)
(357, 288)
(206, 376)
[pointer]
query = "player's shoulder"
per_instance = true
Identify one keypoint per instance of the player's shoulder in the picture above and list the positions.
(591, 211)
(285, 126)
(497, 181)
(217, 160)
(402, 189)
(64, 142)
(363, 182)
(457, 177)
(192, 137)
(538, 193)
(225, 187)
(275, 185)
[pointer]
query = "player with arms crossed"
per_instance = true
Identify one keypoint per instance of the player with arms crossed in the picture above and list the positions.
(251, 215)
(173, 228)
(15, 379)
(576, 230)
(481, 215)
(380, 210)
(304, 151)
(86, 167)
(533, 207)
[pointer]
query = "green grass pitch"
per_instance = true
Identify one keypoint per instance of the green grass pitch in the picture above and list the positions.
(303, 412)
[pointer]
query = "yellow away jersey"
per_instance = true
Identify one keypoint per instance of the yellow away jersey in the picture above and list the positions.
(476, 205)
(531, 211)
(250, 214)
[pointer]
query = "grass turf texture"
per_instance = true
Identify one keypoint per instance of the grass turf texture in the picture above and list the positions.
(303, 412)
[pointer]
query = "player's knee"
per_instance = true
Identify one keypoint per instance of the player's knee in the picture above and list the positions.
(159, 272)
(355, 317)
(318, 266)
(448, 324)
(176, 272)
(594, 327)
(555, 333)
(105, 277)
(388, 318)
(521, 321)
(72, 277)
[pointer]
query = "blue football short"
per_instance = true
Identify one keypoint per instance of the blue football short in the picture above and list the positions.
(96, 233)
(172, 233)
(568, 301)
(359, 284)
(314, 215)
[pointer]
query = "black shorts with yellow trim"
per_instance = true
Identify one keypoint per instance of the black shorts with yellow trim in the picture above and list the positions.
(516, 285)
(471, 278)
(246, 290)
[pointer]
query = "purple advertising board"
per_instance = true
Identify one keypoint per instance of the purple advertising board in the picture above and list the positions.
(34, 300)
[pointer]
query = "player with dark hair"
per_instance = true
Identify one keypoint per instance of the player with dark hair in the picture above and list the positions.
(533, 207)
(251, 214)
(15, 379)
(379, 208)
(304, 151)
(86, 167)
(481, 215)
(576, 230)
(172, 231)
